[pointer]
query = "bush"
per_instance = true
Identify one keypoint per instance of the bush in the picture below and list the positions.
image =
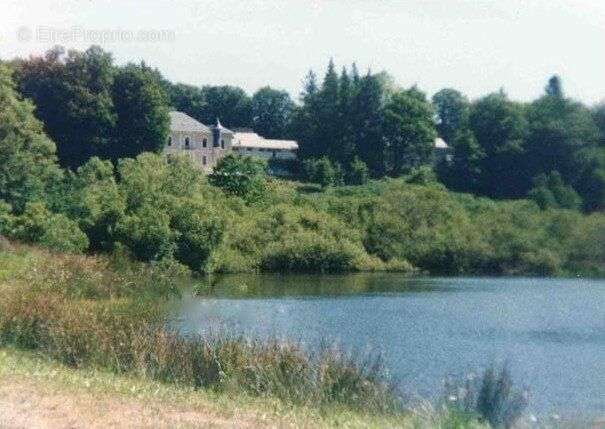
(55, 231)
(309, 252)
(147, 234)
(423, 175)
(358, 173)
(242, 176)
(492, 398)
(199, 230)
(550, 191)
(321, 171)
(287, 237)
(6, 218)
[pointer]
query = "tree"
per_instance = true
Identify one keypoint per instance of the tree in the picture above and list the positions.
(463, 173)
(590, 182)
(228, 103)
(142, 113)
(305, 123)
(271, 112)
(598, 115)
(562, 133)
(188, 99)
(242, 176)
(346, 128)
(368, 119)
(72, 94)
(28, 168)
(409, 131)
(452, 109)
(500, 127)
(328, 114)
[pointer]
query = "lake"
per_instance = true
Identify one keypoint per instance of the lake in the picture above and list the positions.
(550, 331)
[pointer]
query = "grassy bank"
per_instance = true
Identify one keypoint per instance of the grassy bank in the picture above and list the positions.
(96, 324)
(85, 312)
(47, 392)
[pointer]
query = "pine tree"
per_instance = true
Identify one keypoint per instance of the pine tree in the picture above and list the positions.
(346, 136)
(328, 114)
(367, 115)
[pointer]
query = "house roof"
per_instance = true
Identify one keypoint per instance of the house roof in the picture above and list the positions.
(180, 121)
(253, 140)
(440, 143)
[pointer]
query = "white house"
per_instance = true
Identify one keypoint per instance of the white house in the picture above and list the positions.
(247, 142)
(207, 144)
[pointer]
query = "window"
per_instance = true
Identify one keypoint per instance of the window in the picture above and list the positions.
(249, 149)
(274, 154)
(222, 144)
(205, 143)
(169, 141)
(187, 143)
(203, 160)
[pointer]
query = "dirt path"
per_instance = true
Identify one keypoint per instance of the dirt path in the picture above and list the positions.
(23, 404)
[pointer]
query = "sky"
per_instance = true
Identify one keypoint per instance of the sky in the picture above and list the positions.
(475, 46)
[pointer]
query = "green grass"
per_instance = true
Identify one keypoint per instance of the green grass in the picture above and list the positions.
(37, 368)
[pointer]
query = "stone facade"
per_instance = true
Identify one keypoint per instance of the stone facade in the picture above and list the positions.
(206, 145)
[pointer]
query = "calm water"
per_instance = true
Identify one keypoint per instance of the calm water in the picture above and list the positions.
(552, 332)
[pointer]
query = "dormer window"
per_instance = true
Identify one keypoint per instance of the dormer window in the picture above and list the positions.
(169, 141)
(205, 143)
(187, 143)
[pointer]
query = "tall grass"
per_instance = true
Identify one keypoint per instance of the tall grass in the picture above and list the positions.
(492, 398)
(104, 313)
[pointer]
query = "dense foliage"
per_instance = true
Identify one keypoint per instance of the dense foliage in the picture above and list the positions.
(27, 156)
(362, 125)
(90, 107)
(161, 208)
(504, 149)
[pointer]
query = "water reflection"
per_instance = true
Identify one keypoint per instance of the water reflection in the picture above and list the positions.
(244, 286)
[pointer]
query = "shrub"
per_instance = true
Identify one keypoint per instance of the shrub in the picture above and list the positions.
(168, 211)
(96, 202)
(55, 231)
(147, 234)
(321, 171)
(309, 252)
(242, 176)
(492, 398)
(198, 231)
(422, 175)
(358, 173)
(6, 218)
(550, 191)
